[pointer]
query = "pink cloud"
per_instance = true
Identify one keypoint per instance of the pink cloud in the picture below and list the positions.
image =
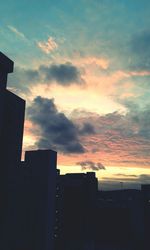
(119, 140)
(101, 62)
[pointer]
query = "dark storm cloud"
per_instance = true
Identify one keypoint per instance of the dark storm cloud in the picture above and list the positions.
(86, 129)
(90, 165)
(56, 130)
(140, 51)
(64, 74)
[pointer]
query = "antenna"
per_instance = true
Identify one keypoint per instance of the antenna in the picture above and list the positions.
(121, 185)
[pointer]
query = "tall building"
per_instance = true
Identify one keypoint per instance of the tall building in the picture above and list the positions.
(12, 110)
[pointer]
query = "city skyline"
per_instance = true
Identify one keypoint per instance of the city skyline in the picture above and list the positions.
(84, 70)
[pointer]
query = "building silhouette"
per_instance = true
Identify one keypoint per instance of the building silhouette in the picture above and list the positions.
(43, 186)
(12, 110)
(145, 190)
(27, 189)
(40, 209)
(120, 215)
(76, 207)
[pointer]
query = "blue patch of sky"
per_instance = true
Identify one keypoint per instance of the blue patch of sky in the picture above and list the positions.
(90, 26)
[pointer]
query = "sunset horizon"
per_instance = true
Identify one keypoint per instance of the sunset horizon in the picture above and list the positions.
(84, 70)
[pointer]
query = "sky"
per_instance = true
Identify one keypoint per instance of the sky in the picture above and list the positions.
(83, 68)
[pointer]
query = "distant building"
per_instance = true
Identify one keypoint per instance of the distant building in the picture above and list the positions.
(145, 189)
(120, 216)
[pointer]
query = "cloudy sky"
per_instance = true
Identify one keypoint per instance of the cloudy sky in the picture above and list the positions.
(84, 69)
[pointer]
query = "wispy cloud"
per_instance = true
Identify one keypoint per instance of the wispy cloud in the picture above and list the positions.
(17, 32)
(101, 62)
(48, 46)
(118, 139)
